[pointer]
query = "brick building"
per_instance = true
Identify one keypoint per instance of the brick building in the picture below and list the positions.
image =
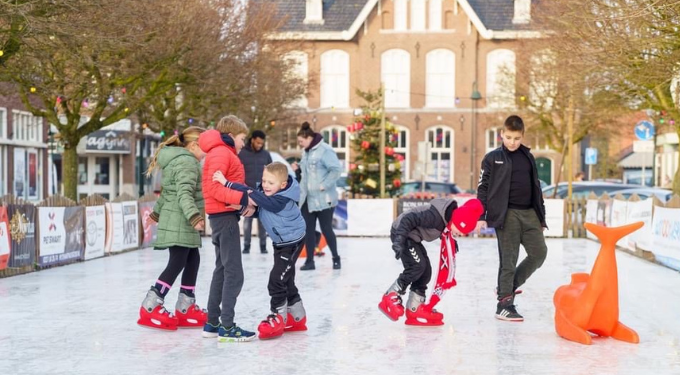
(447, 67)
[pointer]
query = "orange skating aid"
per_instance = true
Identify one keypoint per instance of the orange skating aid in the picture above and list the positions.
(591, 302)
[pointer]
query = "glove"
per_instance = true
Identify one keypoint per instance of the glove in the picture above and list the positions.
(399, 246)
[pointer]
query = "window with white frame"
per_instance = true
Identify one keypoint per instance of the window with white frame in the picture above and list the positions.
(493, 139)
(290, 142)
(402, 148)
(435, 18)
(500, 78)
(300, 70)
(441, 79)
(336, 136)
(27, 164)
(26, 127)
(3, 170)
(400, 14)
(418, 11)
(441, 153)
(3, 122)
(335, 79)
(396, 76)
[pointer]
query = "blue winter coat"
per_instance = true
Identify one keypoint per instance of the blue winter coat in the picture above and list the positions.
(279, 214)
(320, 167)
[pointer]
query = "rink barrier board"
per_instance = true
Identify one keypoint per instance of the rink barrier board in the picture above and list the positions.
(381, 213)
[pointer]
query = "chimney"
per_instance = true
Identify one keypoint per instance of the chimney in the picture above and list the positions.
(522, 12)
(314, 12)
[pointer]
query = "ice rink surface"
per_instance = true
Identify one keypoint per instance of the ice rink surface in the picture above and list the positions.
(81, 319)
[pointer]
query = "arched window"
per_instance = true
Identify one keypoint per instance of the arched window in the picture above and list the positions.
(435, 14)
(441, 79)
(402, 148)
(335, 79)
(500, 78)
(441, 140)
(300, 70)
(396, 76)
(336, 136)
(400, 14)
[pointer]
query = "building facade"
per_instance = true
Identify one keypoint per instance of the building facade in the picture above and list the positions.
(23, 152)
(447, 68)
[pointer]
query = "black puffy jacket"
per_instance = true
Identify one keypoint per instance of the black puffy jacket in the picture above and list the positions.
(253, 164)
(493, 189)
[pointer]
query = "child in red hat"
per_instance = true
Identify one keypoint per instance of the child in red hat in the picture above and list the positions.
(441, 218)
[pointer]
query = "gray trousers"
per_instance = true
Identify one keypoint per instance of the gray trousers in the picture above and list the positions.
(520, 227)
(227, 279)
(248, 230)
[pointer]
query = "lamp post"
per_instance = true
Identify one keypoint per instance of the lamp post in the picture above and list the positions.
(140, 159)
(476, 96)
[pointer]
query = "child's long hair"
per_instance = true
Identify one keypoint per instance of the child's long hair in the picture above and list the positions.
(187, 136)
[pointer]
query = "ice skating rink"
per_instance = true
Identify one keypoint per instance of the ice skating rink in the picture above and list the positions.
(81, 319)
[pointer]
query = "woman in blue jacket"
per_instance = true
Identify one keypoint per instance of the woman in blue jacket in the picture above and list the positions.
(320, 169)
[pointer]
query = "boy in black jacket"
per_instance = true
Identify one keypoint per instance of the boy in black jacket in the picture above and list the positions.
(513, 204)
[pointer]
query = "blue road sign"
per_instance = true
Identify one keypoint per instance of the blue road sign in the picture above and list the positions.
(591, 156)
(644, 130)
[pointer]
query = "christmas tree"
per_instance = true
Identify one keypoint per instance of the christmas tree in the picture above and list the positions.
(364, 172)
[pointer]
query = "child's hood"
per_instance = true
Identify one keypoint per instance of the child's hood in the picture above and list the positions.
(169, 153)
(291, 191)
(211, 139)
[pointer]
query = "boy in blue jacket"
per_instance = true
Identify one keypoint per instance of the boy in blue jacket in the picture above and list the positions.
(277, 208)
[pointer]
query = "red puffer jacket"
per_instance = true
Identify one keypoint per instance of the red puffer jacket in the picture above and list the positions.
(220, 156)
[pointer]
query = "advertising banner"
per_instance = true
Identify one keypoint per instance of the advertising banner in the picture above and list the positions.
(666, 234)
(61, 235)
(22, 234)
(95, 231)
(640, 211)
(5, 245)
(554, 217)
(619, 217)
(149, 227)
(591, 215)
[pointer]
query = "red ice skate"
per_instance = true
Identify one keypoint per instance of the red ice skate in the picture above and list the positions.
(153, 314)
(272, 327)
(391, 306)
(188, 314)
(296, 320)
(424, 317)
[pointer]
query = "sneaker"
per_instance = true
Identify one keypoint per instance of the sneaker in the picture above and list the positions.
(307, 267)
(234, 334)
(336, 263)
(246, 249)
(508, 313)
(210, 331)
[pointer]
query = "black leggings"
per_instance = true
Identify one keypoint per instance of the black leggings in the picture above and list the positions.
(325, 218)
(182, 258)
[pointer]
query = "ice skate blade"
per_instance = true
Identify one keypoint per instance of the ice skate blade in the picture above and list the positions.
(154, 326)
(423, 323)
(506, 319)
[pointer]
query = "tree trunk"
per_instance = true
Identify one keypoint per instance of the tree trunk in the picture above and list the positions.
(559, 175)
(70, 171)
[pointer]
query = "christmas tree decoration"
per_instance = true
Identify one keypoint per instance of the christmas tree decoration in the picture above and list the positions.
(110, 100)
(127, 109)
(365, 129)
(123, 90)
(2, 53)
(396, 183)
(33, 89)
(371, 183)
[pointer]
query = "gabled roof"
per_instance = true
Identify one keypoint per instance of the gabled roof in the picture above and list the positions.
(342, 19)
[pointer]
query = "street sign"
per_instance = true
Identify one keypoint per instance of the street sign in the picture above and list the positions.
(644, 130)
(643, 146)
(591, 156)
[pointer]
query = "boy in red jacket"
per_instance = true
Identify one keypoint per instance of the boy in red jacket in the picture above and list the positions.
(222, 147)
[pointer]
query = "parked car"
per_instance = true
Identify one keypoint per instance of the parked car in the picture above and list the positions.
(430, 187)
(582, 189)
(663, 194)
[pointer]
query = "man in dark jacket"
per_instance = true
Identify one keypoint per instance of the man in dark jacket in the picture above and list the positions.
(254, 158)
(511, 194)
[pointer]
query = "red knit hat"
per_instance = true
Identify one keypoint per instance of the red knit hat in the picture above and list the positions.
(466, 216)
